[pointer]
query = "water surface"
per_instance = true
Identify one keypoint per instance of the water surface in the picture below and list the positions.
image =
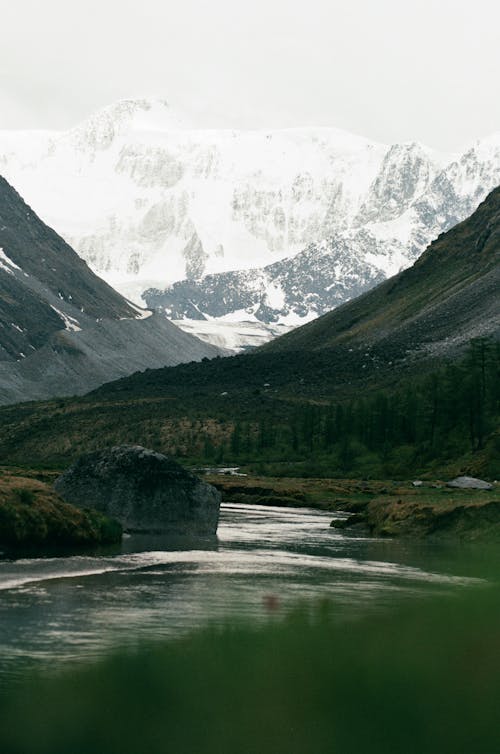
(263, 562)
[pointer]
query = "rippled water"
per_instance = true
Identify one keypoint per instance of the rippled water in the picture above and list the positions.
(264, 560)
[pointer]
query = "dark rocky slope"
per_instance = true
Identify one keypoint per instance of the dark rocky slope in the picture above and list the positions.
(450, 295)
(63, 330)
(317, 279)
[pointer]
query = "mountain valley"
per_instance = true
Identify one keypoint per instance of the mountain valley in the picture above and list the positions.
(371, 373)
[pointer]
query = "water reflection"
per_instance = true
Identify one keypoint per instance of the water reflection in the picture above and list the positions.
(161, 542)
(265, 559)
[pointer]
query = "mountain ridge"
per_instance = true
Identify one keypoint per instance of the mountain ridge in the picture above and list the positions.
(63, 330)
(153, 204)
(456, 280)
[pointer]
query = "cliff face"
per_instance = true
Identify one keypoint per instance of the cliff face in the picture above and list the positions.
(145, 491)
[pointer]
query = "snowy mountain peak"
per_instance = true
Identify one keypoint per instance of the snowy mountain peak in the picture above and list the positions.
(406, 172)
(286, 223)
(487, 147)
(130, 117)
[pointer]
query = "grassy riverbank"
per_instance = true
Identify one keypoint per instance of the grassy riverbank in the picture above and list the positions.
(322, 493)
(32, 514)
(34, 518)
(383, 508)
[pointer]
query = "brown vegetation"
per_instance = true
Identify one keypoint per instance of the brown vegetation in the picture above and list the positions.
(32, 515)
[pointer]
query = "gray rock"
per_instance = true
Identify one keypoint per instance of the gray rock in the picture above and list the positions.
(469, 483)
(144, 490)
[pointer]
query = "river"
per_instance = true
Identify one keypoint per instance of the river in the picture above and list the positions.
(264, 562)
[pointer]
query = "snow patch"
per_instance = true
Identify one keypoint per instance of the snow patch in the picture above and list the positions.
(70, 323)
(141, 313)
(275, 296)
(232, 336)
(7, 264)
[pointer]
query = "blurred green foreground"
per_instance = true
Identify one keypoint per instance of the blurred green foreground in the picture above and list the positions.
(421, 680)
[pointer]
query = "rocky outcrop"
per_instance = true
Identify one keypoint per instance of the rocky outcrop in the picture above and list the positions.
(144, 490)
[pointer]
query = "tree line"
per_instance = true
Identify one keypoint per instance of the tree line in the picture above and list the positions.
(439, 417)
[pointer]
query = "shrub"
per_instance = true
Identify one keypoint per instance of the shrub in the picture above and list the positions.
(27, 497)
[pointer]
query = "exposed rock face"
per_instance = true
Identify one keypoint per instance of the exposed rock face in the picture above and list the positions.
(144, 490)
(320, 278)
(469, 483)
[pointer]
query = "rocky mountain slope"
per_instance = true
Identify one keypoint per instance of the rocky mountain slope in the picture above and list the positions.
(63, 330)
(288, 223)
(287, 293)
(449, 296)
(409, 323)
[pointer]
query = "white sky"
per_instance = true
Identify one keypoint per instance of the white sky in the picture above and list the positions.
(392, 70)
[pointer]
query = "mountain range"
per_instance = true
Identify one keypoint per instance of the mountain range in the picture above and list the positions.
(415, 321)
(221, 227)
(387, 339)
(63, 330)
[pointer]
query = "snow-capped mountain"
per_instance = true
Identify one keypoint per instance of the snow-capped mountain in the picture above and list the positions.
(288, 292)
(270, 226)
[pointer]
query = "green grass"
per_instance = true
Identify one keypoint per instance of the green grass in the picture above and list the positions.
(34, 518)
(422, 680)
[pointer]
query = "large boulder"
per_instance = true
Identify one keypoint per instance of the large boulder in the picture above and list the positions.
(144, 490)
(469, 483)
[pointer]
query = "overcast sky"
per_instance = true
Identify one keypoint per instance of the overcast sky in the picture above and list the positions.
(392, 70)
